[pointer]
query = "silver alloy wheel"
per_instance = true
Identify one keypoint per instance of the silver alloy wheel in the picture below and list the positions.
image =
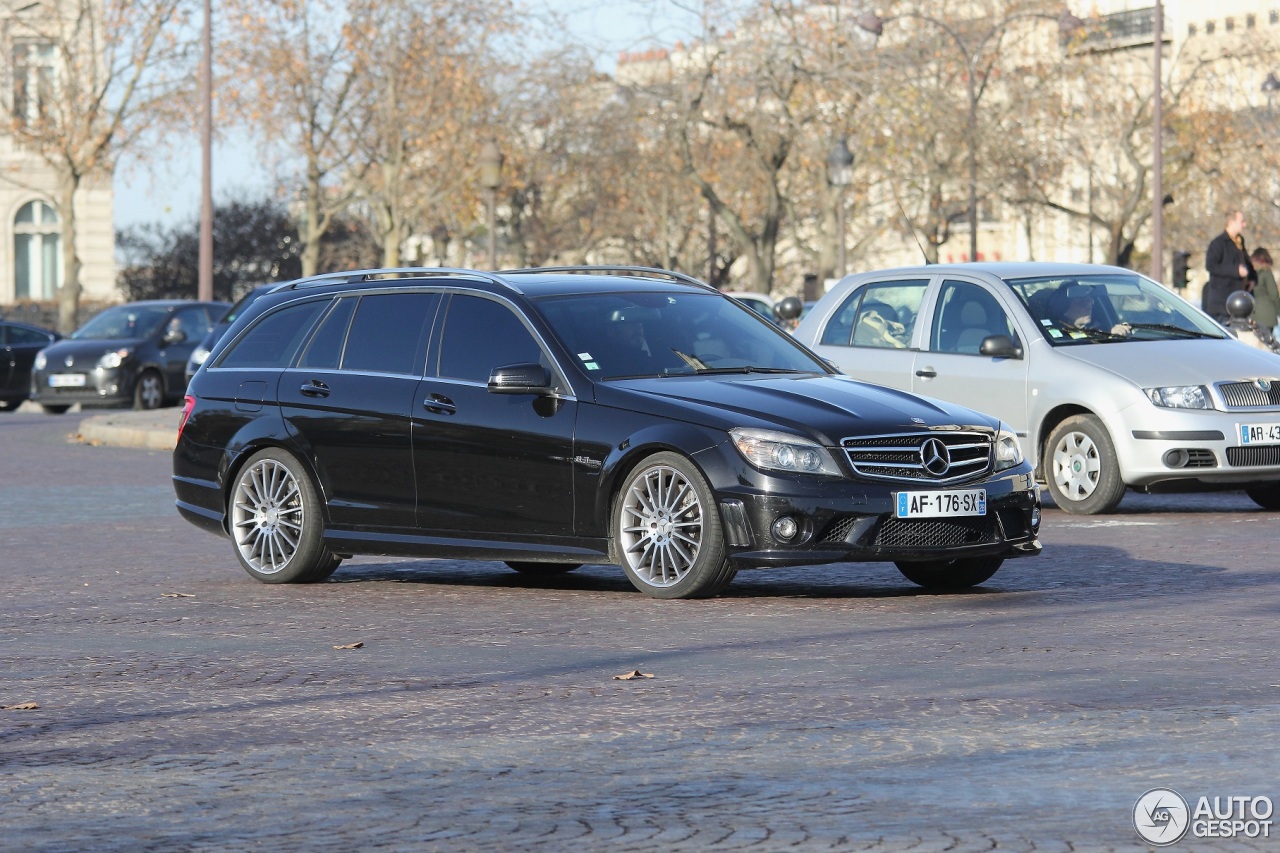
(267, 516)
(1076, 466)
(150, 391)
(662, 524)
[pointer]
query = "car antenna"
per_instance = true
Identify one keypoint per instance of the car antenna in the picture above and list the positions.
(907, 220)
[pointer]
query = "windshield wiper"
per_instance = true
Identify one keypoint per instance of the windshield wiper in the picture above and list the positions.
(1164, 327)
(747, 368)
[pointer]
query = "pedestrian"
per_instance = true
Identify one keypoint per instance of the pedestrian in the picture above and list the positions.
(1266, 298)
(1229, 268)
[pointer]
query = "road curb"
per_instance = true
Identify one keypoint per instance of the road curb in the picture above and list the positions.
(154, 430)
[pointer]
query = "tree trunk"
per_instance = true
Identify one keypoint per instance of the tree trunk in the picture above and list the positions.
(69, 292)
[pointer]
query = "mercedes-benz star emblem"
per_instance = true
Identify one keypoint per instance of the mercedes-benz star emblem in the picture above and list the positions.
(935, 457)
(71, 359)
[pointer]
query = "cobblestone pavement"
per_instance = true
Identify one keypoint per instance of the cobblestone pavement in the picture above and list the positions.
(183, 706)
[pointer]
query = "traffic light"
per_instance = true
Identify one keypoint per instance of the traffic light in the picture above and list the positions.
(1180, 269)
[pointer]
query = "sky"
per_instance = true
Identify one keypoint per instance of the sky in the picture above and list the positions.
(164, 188)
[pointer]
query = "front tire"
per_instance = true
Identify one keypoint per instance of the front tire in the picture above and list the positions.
(667, 530)
(951, 574)
(149, 392)
(1081, 468)
(1266, 496)
(276, 521)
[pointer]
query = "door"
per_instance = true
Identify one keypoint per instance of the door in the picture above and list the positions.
(872, 335)
(347, 403)
(950, 368)
(20, 348)
(494, 465)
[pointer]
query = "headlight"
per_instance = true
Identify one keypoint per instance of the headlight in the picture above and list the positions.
(780, 451)
(1180, 397)
(41, 361)
(199, 356)
(112, 360)
(1008, 450)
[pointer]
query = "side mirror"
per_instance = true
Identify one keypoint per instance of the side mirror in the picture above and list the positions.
(521, 379)
(1000, 346)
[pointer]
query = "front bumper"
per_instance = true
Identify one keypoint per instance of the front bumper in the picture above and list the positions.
(1174, 447)
(96, 386)
(858, 523)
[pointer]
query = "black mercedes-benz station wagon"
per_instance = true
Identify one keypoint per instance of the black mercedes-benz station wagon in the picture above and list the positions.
(553, 418)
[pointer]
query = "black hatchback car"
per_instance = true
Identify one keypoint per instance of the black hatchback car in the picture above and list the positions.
(134, 353)
(19, 344)
(560, 417)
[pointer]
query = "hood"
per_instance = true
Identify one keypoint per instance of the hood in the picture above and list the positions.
(84, 354)
(827, 408)
(1154, 364)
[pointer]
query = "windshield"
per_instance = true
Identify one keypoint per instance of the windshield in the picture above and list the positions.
(123, 321)
(1109, 308)
(616, 335)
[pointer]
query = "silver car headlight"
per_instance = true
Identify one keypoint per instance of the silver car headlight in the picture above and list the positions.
(114, 359)
(1180, 397)
(1008, 450)
(780, 451)
(41, 361)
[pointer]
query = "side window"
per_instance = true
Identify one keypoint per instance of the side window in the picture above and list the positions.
(275, 338)
(966, 314)
(324, 352)
(19, 335)
(192, 322)
(481, 334)
(388, 333)
(879, 315)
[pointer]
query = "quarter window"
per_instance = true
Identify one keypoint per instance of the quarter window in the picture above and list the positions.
(881, 315)
(480, 335)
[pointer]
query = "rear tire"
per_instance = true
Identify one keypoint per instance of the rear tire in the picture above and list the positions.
(1266, 496)
(1080, 467)
(276, 521)
(542, 570)
(951, 574)
(667, 532)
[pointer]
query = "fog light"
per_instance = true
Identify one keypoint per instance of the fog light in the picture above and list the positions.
(785, 529)
(1035, 518)
(1177, 459)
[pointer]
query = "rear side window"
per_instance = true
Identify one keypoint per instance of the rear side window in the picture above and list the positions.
(880, 315)
(479, 335)
(325, 350)
(274, 340)
(388, 333)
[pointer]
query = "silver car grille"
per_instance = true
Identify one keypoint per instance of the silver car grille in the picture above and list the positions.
(914, 457)
(1260, 394)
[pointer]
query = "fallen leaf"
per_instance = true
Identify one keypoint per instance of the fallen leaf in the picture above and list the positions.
(23, 706)
(176, 595)
(350, 646)
(633, 674)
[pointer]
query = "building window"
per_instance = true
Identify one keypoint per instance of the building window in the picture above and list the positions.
(34, 72)
(1274, 16)
(1250, 21)
(1209, 27)
(1230, 24)
(37, 256)
(1191, 29)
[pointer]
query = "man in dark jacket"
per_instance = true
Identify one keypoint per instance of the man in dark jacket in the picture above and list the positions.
(1229, 268)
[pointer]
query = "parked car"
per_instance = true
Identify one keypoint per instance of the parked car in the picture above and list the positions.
(202, 350)
(1109, 379)
(553, 418)
(19, 344)
(134, 353)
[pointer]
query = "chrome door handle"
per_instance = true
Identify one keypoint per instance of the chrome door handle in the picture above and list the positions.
(315, 388)
(440, 405)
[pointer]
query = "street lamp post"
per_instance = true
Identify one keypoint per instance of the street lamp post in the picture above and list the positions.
(204, 279)
(490, 162)
(1269, 88)
(840, 175)
(1157, 145)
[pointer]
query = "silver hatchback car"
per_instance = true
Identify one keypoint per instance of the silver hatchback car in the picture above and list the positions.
(1110, 379)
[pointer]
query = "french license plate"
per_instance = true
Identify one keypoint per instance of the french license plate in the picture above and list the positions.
(942, 504)
(66, 380)
(1258, 433)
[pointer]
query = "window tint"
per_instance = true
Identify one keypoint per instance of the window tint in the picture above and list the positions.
(19, 335)
(192, 322)
(325, 349)
(966, 314)
(879, 315)
(479, 335)
(275, 338)
(388, 333)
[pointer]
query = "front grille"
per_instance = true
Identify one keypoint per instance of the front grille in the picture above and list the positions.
(1263, 455)
(935, 532)
(1247, 395)
(838, 529)
(898, 457)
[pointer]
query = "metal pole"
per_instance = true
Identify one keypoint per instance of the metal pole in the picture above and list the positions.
(841, 257)
(492, 193)
(204, 287)
(1157, 147)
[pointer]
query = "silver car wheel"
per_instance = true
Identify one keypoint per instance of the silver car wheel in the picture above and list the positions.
(150, 391)
(1076, 466)
(267, 516)
(662, 526)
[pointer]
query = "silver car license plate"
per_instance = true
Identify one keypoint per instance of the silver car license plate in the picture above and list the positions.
(66, 380)
(942, 504)
(1258, 433)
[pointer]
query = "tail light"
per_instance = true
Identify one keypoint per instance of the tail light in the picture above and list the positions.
(188, 403)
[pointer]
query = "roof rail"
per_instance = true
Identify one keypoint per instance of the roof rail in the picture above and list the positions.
(620, 270)
(354, 276)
